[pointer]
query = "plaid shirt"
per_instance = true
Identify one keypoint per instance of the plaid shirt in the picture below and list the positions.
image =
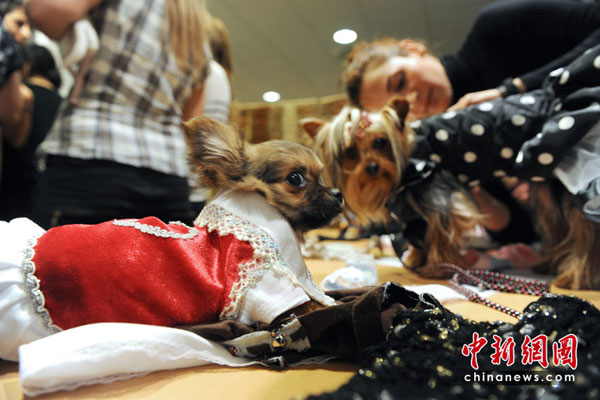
(130, 108)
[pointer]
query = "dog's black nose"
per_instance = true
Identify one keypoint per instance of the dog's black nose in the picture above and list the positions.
(338, 195)
(372, 169)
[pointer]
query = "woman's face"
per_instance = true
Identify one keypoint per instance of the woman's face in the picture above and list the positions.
(418, 78)
(17, 23)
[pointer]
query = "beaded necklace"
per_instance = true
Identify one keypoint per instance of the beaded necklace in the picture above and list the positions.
(493, 280)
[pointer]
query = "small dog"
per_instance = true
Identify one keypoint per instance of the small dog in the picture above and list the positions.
(371, 157)
(367, 155)
(168, 274)
(287, 174)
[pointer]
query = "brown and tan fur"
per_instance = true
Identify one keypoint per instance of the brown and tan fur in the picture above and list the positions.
(367, 167)
(571, 242)
(287, 174)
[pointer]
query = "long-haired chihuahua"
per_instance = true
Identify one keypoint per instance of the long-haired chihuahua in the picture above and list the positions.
(287, 174)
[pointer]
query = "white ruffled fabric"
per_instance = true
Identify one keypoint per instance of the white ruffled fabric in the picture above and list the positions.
(18, 321)
(109, 352)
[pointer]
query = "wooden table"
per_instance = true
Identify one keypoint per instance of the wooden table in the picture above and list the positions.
(248, 383)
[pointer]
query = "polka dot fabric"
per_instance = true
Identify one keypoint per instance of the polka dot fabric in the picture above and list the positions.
(583, 72)
(524, 135)
(483, 141)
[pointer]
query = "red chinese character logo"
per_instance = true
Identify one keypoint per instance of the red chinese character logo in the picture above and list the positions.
(566, 353)
(535, 350)
(503, 351)
(473, 348)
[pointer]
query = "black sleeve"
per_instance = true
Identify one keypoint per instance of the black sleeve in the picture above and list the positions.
(553, 33)
(534, 79)
(523, 38)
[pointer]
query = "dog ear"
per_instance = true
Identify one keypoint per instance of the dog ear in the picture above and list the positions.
(311, 126)
(217, 152)
(400, 111)
(400, 106)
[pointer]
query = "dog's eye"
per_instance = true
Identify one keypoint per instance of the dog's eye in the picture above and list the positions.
(351, 153)
(379, 143)
(296, 179)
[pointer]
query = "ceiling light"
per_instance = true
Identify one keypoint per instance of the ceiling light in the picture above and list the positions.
(345, 36)
(271, 97)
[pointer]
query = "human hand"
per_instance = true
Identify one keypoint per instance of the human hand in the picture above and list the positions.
(475, 98)
(521, 192)
(496, 213)
(518, 254)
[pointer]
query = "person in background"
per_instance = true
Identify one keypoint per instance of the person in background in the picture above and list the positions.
(510, 48)
(217, 88)
(19, 173)
(15, 20)
(16, 99)
(217, 93)
(121, 152)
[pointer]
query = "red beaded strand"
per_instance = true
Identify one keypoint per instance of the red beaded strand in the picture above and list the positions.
(495, 281)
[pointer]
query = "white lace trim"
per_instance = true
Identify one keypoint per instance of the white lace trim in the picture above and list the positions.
(156, 231)
(266, 256)
(32, 285)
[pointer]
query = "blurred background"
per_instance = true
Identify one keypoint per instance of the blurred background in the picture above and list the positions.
(287, 46)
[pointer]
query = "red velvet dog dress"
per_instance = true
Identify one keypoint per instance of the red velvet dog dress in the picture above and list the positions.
(142, 271)
(240, 261)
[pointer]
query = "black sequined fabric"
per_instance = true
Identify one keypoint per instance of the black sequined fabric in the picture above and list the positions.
(421, 356)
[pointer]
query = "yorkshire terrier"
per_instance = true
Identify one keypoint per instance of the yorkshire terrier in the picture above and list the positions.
(367, 155)
(287, 174)
(571, 241)
(377, 160)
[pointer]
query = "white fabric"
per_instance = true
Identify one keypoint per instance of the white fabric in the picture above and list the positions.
(107, 352)
(271, 297)
(255, 209)
(217, 93)
(581, 165)
(358, 272)
(217, 101)
(445, 293)
(80, 40)
(18, 322)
